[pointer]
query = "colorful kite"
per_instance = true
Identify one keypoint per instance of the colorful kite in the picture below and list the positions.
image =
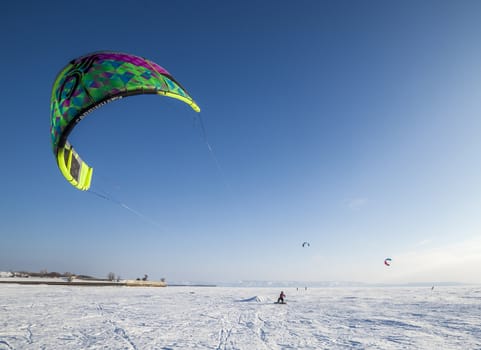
(387, 261)
(88, 83)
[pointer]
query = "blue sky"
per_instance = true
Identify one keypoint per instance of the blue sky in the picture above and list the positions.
(351, 125)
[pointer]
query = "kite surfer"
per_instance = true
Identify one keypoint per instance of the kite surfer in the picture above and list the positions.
(280, 300)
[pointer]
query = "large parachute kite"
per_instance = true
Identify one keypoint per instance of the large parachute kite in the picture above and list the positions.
(306, 244)
(387, 261)
(90, 81)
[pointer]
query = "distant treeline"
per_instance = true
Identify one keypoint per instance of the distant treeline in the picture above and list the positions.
(53, 274)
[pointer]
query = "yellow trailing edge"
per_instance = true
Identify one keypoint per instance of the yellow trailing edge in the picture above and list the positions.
(190, 102)
(73, 168)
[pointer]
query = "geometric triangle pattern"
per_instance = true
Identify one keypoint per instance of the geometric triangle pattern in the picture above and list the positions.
(92, 80)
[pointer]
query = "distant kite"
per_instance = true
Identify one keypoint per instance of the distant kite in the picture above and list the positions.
(387, 261)
(305, 244)
(89, 82)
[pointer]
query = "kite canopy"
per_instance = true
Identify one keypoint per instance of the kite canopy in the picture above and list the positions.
(305, 244)
(89, 82)
(387, 261)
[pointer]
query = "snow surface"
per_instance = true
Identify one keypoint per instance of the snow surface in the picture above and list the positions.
(67, 317)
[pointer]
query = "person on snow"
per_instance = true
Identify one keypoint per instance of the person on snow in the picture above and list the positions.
(280, 300)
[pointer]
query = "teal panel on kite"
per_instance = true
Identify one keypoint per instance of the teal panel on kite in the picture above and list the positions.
(90, 81)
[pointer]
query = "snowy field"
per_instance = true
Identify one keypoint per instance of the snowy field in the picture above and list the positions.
(63, 317)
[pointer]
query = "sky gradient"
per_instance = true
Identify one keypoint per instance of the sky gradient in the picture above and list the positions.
(351, 125)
